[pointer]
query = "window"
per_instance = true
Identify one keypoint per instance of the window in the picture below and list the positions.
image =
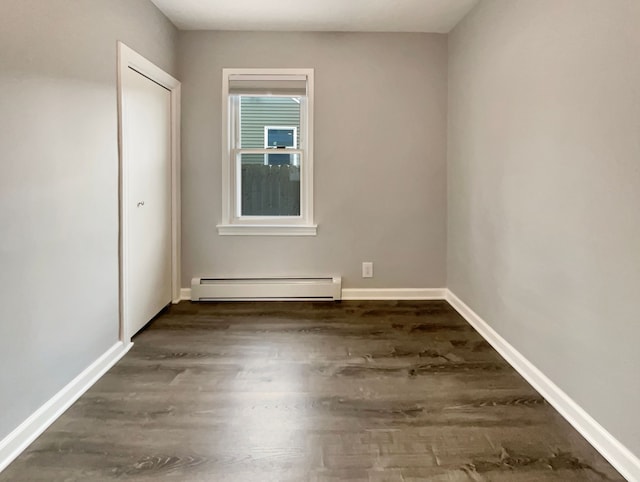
(267, 152)
(279, 137)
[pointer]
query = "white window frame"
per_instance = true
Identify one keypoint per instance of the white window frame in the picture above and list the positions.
(233, 224)
(267, 146)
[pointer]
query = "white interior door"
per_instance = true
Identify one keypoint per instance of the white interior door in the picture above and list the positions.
(146, 108)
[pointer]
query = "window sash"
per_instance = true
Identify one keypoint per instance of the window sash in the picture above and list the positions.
(235, 161)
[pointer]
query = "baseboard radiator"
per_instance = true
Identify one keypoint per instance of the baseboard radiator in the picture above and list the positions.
(277, 289)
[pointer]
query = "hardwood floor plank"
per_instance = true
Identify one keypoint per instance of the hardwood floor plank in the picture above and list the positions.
(350, 391)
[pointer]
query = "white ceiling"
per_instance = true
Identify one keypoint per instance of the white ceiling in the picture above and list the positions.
(438, 16)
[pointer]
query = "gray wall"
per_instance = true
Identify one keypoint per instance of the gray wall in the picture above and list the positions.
(380, 156)
(544, 191)
(59, 186)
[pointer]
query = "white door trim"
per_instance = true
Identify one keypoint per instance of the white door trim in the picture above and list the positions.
(128, 58)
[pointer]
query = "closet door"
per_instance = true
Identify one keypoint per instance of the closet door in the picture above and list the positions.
(146, 109)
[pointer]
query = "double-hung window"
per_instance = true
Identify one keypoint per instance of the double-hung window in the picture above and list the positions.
(267, 163)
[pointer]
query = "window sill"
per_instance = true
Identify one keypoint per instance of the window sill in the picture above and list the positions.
(267, 230)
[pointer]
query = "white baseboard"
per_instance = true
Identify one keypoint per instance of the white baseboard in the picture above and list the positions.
(374, 294)
(394, 294)
(18, 440)
(617, 454)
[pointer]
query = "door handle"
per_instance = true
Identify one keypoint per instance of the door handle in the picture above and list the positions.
(141, 203)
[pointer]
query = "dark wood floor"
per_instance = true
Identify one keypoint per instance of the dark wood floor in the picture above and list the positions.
(351, 391)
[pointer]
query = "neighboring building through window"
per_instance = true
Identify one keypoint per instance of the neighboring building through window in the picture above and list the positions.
(267, 156)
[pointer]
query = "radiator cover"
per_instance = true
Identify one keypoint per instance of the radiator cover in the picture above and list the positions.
(277, 289)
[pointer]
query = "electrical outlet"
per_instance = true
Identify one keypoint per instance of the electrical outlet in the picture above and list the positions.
(367, 269)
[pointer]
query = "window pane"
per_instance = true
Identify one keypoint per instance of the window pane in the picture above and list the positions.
(271, 188)
(262, 118)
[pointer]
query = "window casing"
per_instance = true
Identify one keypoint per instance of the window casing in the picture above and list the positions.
(289, 155)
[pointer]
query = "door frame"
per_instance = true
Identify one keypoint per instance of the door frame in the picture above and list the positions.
(128, 58)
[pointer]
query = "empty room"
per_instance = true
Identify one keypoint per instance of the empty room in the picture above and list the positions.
(320, 240)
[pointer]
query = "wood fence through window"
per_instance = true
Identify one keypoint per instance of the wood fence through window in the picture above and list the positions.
(270, 190)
